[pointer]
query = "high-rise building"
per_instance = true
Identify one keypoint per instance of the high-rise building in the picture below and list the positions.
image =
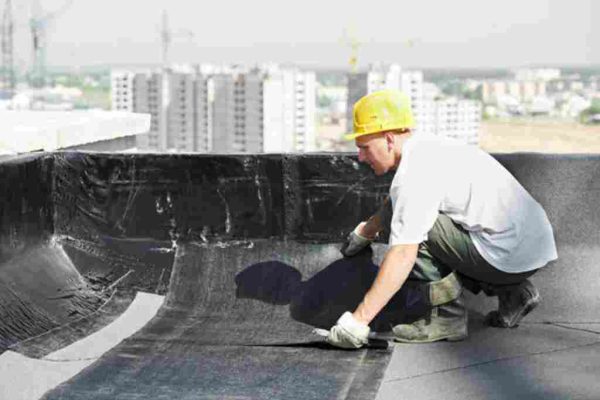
(149, 96)
(237, 112)
(295, 91)
(453, 118)
(226, 110)
(188, 113)
(264, 111)
(121, 90)
(178, 105)
(203, 93)
(141, 92)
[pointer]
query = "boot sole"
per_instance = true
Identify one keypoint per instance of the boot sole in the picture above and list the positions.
(456, 338)
(527, 308)
(535, 301)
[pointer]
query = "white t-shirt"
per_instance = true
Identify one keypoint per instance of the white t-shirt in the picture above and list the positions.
(508, 227)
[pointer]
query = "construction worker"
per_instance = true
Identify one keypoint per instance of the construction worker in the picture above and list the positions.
(456, 211)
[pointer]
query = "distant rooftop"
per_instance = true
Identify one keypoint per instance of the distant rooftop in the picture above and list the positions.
(24, 131)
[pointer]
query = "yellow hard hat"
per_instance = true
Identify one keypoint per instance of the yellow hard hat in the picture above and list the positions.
(381, 111)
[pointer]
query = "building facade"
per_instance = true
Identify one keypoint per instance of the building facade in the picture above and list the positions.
(178, 105)
(227, 111)
(452, 118)
(290, 110)
(237, 111)
(493, 92)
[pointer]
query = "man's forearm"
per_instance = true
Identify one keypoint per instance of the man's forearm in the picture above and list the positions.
(375, 223)
(396, 265)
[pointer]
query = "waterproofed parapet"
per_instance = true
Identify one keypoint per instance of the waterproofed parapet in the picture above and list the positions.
(91, 221)
(212, 198)
(26, 212)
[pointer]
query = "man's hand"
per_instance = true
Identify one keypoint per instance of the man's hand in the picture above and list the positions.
(355, 241)
(348, 333)
(367, 231)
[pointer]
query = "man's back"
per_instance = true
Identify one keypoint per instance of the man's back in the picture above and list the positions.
(471, 187)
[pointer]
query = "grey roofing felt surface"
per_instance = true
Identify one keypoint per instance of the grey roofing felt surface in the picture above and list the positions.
(553, 354)
(534, 361)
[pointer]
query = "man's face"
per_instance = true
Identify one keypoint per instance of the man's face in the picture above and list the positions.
(374, 150)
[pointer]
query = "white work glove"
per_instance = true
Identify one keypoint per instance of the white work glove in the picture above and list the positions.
(348, 333)
(355, 242)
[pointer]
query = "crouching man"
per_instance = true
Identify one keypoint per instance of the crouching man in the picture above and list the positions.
(455, 211)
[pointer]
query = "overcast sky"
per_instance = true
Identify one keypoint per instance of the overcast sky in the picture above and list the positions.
(419, 33)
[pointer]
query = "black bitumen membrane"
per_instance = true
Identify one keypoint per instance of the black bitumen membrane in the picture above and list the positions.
(239, 245)
(238, 324)
(245, 250)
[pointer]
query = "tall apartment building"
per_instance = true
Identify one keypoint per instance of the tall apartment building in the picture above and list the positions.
(178, 105)
(459, 119)
(138, 92)
(121, 90)
(264, 111)
(230, 110)
(453, 118)
(149, 97)
(305, 109)
(293, 127)
(237, 112)
(188, 113)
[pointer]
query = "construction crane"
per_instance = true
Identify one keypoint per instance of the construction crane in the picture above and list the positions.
(7, 68)
(167, 36)
(38, 24)
(349, 39)
(165, 39)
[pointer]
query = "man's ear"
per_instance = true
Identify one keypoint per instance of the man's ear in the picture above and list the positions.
(389, 140)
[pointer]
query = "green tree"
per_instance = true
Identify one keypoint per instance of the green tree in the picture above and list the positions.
(324, 101)
(593, 109)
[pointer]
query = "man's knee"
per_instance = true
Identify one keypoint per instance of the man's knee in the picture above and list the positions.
(440, 229)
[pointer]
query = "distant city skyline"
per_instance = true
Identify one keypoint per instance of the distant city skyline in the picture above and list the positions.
(425, 34)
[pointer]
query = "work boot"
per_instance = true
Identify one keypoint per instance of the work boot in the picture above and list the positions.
(514, 302)
(445, 322)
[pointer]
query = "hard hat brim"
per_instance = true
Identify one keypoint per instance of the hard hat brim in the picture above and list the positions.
(354, 135)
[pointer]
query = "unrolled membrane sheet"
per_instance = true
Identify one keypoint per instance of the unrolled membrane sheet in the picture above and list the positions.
(237, 324)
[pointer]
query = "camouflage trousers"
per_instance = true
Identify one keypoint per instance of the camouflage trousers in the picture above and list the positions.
(450, 248)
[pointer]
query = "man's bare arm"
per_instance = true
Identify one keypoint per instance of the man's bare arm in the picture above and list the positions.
(376, 222)
(396, 265)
